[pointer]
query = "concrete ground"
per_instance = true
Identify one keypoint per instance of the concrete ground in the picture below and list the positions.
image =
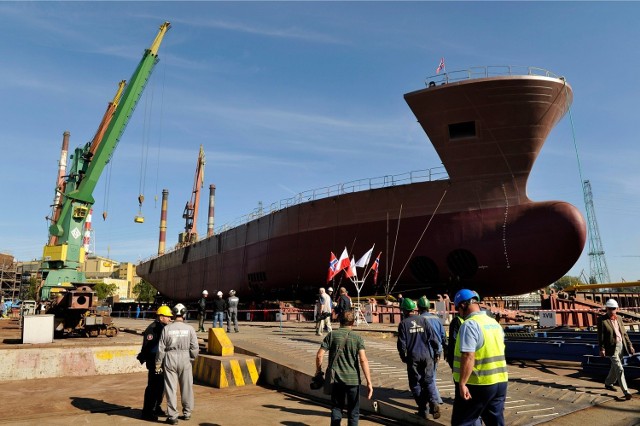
(118, 398)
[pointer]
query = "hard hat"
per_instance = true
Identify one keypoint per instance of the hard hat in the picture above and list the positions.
(179, 310)
(330, 289)
(465, 295)
(205, 292)
(423, 302)
(219, 293)
(232, 292)
(611, 303)
(164, 310)
(407, 304)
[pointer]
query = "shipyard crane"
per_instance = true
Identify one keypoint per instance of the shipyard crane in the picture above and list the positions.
(190, 214)
(598, 270)
(64, 253)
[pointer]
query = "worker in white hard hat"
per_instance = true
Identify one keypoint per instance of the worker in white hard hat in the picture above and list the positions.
(614, 342)
(219, 306)
(232, 311)
(202, 310)
(177, 350)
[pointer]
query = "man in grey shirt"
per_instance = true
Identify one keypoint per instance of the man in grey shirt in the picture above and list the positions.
(177, 349)
(232, 311)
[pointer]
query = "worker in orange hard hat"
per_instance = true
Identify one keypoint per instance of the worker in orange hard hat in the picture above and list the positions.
(155, 382)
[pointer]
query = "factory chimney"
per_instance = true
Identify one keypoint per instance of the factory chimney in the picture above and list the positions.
(163, 222)
(212, 197)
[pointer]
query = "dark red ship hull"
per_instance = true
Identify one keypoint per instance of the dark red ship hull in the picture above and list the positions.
(476, 229)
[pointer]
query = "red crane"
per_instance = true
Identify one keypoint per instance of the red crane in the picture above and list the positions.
(190, 214)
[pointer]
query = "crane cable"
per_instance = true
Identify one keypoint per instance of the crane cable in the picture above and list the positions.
(164, 79)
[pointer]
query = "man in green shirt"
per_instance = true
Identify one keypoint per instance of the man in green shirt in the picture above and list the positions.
(346, 358)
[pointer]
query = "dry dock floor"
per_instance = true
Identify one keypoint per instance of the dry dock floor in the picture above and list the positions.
(555, 394)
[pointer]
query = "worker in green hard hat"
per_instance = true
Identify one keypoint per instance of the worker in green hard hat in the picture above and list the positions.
(417, 342)
(438, 329)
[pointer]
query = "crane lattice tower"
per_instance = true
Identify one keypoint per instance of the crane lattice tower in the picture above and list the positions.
(598, 271)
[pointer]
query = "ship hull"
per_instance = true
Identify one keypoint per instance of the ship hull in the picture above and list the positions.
(476, 229)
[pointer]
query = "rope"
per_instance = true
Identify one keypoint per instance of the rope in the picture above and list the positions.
(164, 79)
(393, 255)
(419, 239)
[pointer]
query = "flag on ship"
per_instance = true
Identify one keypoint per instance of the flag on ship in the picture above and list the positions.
(364, 260)
(440, 66)
(375, 265)
(333, 267)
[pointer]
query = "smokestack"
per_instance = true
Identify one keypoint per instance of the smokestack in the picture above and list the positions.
(163, 222)
(212, 197)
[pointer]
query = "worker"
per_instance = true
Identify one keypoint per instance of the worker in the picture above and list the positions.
(232, 311)
(202, 310)
(438, 328)
(219, 306)
(323, 312)
(155, 382)
(347, 363)
(614, 342)
(177, 350)
(479, 366)
(418, 346)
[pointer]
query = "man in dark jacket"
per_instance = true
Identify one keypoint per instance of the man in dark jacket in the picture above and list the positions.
(219, 307)
(155, 382)
(417, 344)
(344, 303)
(614, 341)
(202, 310)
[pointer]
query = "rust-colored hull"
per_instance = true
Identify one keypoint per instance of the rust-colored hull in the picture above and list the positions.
(476, 229)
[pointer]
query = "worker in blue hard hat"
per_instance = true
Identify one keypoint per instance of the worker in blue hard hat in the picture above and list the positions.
(418, 345)
(479, 365)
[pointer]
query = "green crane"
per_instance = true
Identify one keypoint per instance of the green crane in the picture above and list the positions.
(64, 255)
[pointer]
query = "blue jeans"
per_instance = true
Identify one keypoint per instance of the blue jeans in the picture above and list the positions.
(421, 382)
(487, 402)
(339, 394)
(218, 318)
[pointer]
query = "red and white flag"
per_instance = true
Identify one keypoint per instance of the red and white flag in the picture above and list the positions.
(333, 267)
(351, 270)
(374, 267)
(344, 261)
(440, 66)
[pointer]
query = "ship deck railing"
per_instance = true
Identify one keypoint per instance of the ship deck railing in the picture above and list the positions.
(473, 73)
(416, 176)
(427, 175)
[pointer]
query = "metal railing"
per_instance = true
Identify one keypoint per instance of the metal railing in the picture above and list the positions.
(485, 72)
(435, 173)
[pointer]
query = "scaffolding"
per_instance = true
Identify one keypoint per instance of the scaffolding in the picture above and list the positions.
(9, 278)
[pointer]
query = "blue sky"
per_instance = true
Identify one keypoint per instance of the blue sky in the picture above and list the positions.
(291, 96)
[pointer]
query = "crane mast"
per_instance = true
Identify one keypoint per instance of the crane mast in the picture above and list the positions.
(190, 214)
(64, 254)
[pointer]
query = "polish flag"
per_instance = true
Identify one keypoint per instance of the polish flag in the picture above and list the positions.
(374, 267)
(333, 267)
(440, 66)
(364, 260)
(344, 261)
(351, 270)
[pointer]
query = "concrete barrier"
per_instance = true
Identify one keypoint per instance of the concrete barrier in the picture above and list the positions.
(227, 371)
(39, 363)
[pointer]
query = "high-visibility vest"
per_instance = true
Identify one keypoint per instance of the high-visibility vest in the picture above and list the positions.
(490, 365)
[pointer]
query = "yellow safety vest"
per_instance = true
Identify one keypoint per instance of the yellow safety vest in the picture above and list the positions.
(490, 365)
